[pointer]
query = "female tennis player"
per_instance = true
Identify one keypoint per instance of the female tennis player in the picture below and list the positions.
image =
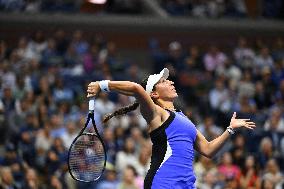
(173, 135)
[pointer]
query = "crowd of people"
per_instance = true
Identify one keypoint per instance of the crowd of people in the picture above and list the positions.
(43, 105)
(224, 8)
(195, 8)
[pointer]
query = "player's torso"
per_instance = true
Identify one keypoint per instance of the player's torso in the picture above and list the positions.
(173, 152)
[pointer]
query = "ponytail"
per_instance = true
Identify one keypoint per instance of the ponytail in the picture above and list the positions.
(121, 111)
(126, 109)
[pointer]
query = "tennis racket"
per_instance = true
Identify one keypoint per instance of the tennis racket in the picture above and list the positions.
(87, 154)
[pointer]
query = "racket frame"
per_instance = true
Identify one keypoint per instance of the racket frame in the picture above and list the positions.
(90, 117)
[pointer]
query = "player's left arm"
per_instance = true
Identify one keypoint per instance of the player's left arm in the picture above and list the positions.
(209, 149)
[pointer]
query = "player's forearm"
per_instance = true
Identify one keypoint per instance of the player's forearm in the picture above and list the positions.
(215, 145)
(124, 87)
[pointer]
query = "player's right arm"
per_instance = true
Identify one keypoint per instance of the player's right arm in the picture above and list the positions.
(147, 107)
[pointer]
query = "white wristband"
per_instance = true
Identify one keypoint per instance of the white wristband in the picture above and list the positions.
(231, 130)
(104, 85)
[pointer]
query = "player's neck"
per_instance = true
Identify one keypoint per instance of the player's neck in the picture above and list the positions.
(168, 106)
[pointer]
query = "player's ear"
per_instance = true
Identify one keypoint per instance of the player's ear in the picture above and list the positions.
(154, 95)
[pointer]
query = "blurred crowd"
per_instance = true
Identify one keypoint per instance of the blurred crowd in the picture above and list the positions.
(224, 8)
(43, 105)
(195, 8)
(72, 6)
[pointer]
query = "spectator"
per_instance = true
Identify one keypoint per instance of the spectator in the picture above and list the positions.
(249, 176)
(275, 122)
(110, 180)
(7, 180)
(204, 168)
(31, 180)
(264, 59)
(209, 129)
(227, 168)
(243, 54)
(143, 164)
(127, 156)
(267, 184)
(214, 59)
(129, 179)
(272, 172)
(209, 180)
(69, 135)
(266, 151)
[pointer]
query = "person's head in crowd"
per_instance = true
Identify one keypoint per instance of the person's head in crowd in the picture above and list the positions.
(129, 145)
(77, 35)
(6, 177)
(227, 159)
(274, 119)
(10, 154)
(39, 36)
(209, 178)
(213, 50)
(266, 73)
(71, 127)
(238, 150)
(108, 135)
(22, 43)
(7, 92)
(55, 182)
(266, 146)
(219, 84)
(32, 120)
(250, 164)
(31, 179)
(58, 145)
(119, 133)
(111, 175)
(272, 166)
(231, 183)
(136, 134)
(267, 183)
(208, 121)
(111, 48)
(51, 44)
(264, 52)
(56, 121)
(175, 49)
(239, 141)
(242, 42)
(129, 175)
(194, 52)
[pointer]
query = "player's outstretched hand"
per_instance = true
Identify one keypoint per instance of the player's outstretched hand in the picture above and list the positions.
(236, 123)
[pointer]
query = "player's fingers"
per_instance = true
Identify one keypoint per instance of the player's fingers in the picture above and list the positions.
(234, 115)
(90, 95)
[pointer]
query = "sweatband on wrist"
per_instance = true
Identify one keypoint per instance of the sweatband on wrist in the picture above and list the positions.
(104, 85)
(231, 130)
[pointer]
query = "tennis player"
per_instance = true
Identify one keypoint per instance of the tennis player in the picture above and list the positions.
(173, 135)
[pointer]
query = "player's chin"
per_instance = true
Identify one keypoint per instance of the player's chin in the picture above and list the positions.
(175, 95)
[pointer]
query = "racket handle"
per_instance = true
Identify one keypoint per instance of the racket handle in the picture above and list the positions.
(92, 104)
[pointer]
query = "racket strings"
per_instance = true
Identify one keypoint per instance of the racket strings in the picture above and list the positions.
(86, 158)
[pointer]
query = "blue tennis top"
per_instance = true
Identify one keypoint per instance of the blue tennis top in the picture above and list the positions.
(172, 154)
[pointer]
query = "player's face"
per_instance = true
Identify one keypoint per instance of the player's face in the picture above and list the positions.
(166, 89)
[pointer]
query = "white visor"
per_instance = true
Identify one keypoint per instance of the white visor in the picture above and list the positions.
(155, 78)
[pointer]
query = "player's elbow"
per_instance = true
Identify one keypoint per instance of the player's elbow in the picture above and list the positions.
(208, 152)
(209, 155)
(137, 88)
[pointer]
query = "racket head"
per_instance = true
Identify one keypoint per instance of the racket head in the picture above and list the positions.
(87, 158)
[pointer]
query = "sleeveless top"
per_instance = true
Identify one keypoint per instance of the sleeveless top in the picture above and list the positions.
(172, 154)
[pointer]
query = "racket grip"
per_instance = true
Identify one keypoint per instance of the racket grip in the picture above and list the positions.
(92, 104)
